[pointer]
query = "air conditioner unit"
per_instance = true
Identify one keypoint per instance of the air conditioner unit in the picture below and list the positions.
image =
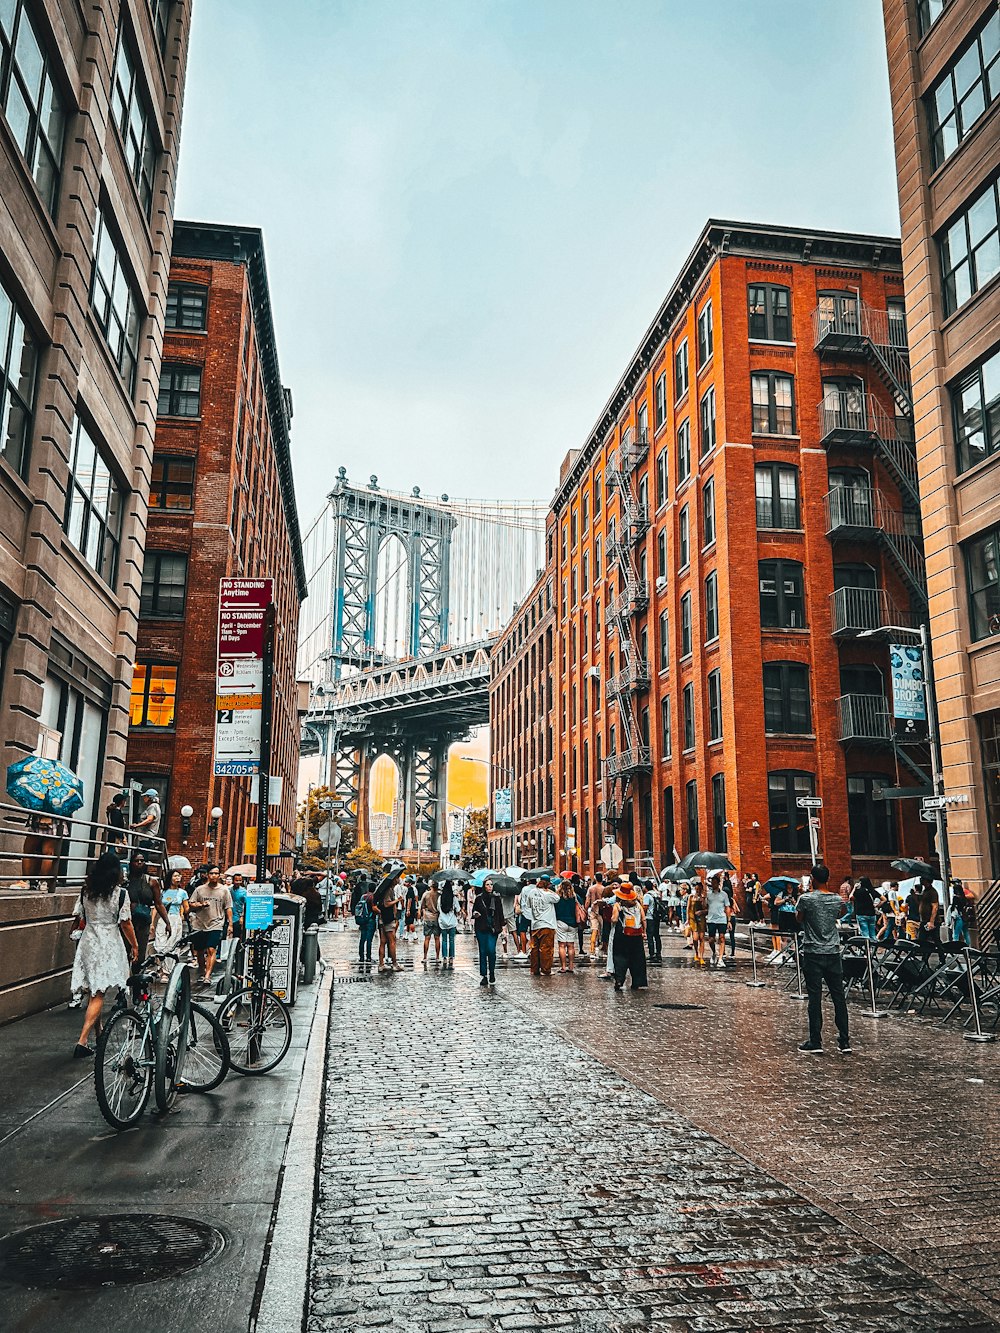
(661, 584)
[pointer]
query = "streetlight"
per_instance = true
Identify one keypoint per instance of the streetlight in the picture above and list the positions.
(186, 812)
(508, 773)
(930, 705)
(215, 816)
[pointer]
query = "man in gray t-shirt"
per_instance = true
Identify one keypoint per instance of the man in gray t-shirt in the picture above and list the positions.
(817, 914)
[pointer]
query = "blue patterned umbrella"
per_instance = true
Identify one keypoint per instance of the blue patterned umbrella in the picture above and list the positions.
(43, 785)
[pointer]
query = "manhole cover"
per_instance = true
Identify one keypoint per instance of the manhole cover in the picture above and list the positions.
(106, 1251)
(679, 1006)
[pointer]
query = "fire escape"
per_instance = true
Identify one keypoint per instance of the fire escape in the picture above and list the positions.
(632, 754)
(854, 421)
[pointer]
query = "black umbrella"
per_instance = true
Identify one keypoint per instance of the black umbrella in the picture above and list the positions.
(504, 883)
(456, 876)
(706, 861)
(675, 875)
(906, 865)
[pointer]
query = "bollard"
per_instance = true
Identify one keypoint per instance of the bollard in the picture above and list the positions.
(755, 984)
(979, 1034)
(310, 954)
(876, 1012)
(800, 993)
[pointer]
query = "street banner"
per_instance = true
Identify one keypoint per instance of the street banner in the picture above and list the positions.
(273, 840)
(454, 844)
(259, 908)
(909, 702)
(239, 685)
(501, 808)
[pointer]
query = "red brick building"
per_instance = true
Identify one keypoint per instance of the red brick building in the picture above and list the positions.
(221, 505)
(742, 513)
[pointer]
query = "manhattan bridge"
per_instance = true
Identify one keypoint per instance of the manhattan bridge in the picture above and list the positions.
(407, 596)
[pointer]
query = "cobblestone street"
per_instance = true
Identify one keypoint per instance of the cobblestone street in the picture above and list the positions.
(554, 1155)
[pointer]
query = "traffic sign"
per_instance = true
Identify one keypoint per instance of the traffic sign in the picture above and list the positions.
(810, 802)
(928, 816)
(814, 821)
(933, 803)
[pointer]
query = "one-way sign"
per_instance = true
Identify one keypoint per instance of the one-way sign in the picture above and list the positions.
(810, 802)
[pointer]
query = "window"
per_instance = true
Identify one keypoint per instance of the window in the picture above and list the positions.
(777, 495)
(687, 708)
(665, 729)
(706, 340)
(173, 483)
(160, 12)
(782, 594)
(180, 391)
(929, 11)
(597, 556)
(572, 528)
(585, 568)
(664, 640)
(669, 833)
(691, 795)
(964, 92)
(31, 102)
(708, 422)
(94, 504)
(684, 537)
(787, 708)
(770, 313)
(585, 512)
(982, 569)
(164, 584)
(661, 478)
(683, 451)
(681, 370)
(773, 403)
(715, 705)
(115, 303)
(686, 625)
(130, 110)
(711, 607)
(644, 726)
(871, 821)
(642, 423)
(719, 829)
(660, 400)
(597, 495)
(661, 554)
(708, 512)
(976, 405)
(970, 249)
(154, 695)
(18, 363)
(789, 824)
(187, 306)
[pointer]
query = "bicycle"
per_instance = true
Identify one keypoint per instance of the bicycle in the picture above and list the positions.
(255, 1020)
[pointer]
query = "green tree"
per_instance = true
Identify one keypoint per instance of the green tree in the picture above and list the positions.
(364, 857)
(474, 840)
(311, 819)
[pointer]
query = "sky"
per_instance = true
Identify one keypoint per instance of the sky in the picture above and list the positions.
(473, 208)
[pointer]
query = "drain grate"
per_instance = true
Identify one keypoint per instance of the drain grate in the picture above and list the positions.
(680, 1006)
(106, 1251)
(346, 981)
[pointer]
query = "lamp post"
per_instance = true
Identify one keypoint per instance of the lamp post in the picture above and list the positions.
(930, 704)
(213, 826)
(508, 773)
(186, 812)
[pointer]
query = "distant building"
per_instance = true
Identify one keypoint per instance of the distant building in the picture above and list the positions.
(222, 504)
(944, 59)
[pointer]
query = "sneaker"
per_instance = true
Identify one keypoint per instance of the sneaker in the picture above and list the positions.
(721, 962)
(493, 981)
(808, 1048)
(845, 1047)
(396, 967)
(484, 982)
(617, 987)
(772, 955)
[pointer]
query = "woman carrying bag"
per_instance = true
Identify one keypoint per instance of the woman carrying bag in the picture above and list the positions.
(107, 942)
(628, 917)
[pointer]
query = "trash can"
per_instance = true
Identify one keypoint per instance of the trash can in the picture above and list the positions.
(289, 914)
(310, 954)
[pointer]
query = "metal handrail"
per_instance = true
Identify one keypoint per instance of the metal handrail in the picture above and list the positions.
(851, 507)
(863, 717)
(866, 609)
(628, 761)
(76, 843)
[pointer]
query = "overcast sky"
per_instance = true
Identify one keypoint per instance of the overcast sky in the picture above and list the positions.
(472, 208)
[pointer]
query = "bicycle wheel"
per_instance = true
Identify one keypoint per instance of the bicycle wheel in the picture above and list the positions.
(259, 1028)
(172, 1029)
(207, 1060)
(123, 1068)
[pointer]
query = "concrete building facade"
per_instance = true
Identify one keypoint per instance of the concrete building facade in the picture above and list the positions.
(222, 505)
(944, 74)
(89, 129)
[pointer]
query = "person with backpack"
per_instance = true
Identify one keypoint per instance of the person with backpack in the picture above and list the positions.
(448, 925)
(656, 910)
(365, 916)
(628, 920)
(387, 902)
(488, 920)
(430, 910)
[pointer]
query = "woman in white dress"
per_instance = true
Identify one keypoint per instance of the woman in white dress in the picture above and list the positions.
(101, 957)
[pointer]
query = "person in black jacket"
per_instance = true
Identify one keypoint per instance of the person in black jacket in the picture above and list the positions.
(488, 921)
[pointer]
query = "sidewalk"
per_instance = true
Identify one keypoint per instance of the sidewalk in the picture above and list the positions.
(216, 1158)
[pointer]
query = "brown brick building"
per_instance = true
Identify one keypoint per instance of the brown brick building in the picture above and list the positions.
(222, 504)
(90, 109)
(743, 511)
(944, 73)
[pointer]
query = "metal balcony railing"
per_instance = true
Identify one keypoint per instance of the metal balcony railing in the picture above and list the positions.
(851, 509)
(855, 328)
(864, 717)
(853, 610)
(635, 759)
(627, 457)
(633, 598)
(631, 678)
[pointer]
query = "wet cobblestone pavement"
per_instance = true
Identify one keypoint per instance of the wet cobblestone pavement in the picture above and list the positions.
(553, 1155)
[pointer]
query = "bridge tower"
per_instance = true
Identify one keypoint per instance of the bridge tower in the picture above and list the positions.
(362, 524)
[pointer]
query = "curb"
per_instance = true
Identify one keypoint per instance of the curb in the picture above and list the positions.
(284, 1277)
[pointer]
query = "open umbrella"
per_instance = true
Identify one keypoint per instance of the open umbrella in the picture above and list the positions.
(246, 868)
(906, 865)
(178, 862)
(456, 876)
(504, 883)
(778, 882)
(675, 875)
(44, 785)
(707, 861)
(515, 872)
(567, 874)
(479, 877)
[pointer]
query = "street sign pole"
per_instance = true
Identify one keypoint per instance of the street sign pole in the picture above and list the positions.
(264, 773)
(811, 803)
(937, 777)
